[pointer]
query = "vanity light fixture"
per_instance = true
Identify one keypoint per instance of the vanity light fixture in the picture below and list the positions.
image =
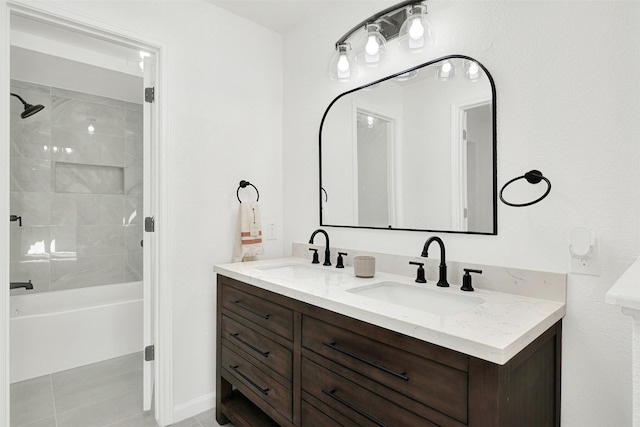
(446, 71)
(372, 47)
(342, 67)
(472, 70)
(416, 32)
(405, 22)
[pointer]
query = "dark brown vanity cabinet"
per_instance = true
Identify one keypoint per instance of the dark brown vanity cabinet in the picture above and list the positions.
(288, 363)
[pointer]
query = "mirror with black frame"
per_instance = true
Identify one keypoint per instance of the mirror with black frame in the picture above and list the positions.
(413, 151)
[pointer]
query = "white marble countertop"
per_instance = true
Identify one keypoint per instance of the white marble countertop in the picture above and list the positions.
(495, 330)
(626, 291)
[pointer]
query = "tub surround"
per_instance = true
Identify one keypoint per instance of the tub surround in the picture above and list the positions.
(495, 331)
(79, 191)
(54, 331)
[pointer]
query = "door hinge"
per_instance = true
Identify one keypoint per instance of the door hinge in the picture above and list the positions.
(464, 134)
(465, 213)
(149, 94)
(150, 224)
(149, 353)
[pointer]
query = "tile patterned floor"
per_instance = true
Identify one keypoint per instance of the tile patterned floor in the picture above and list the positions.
(104, 394)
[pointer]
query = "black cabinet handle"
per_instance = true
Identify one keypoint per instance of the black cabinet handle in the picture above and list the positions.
(264, 391)
(401, 375)
(332, 394)
(248, 344)
(251, 310)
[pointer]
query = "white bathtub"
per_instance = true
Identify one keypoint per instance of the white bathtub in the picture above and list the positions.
(54, 331)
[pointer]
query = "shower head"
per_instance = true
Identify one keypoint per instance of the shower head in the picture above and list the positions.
(29, 110)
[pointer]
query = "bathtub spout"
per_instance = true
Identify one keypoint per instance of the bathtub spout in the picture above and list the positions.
(27, 285)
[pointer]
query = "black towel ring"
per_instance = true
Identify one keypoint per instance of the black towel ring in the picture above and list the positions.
(532, 177)
(243, 184)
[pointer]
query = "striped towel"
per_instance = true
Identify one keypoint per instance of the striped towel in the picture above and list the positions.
(248, 239)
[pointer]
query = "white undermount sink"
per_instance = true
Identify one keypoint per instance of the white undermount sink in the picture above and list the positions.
(295, 271)
(434, 301)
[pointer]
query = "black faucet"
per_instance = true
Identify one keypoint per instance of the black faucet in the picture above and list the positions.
(442, 280)
(327, 254)
(15, 285)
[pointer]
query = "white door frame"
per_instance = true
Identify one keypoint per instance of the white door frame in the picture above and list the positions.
(55, 13)
(393, 138)
(459, 161)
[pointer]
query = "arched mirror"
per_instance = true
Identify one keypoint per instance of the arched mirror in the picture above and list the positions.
(413, 151)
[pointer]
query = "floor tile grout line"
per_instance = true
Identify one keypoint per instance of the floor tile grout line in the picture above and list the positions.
(53, 399)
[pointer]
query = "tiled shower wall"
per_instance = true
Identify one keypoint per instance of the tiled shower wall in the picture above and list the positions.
(76, 181)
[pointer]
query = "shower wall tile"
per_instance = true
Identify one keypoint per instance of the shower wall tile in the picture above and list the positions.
(77, 115)
(133, 210)
(64, 209)
(30, 243)
(79, 146)
(88, 179)
(96, 99)
(132, 236)
(133, 180)
(30, 175)
(100, 209)
(37, 271)
(133, 106)
(100, 240)
(64, 242)
(133, 267)
(34, 208)
(86, 271)
(133, 123)
(30, 141)
(79, 192)
(133, 152)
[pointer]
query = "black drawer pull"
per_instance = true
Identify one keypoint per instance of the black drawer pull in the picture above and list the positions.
(332, 394)
(264, 391)
(401, 375)
(248, 344)
(251, 310)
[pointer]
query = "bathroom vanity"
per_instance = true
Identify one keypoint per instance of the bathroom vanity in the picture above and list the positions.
(299, 350)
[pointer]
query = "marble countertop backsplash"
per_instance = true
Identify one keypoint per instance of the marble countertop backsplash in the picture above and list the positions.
(519, 305)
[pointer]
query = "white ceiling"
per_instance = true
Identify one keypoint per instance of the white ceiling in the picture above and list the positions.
(278, 15)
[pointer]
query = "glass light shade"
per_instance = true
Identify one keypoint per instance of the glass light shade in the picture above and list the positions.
(342, 67)
(416, 32)
(472, 71)
(446, 71)
(372, 47)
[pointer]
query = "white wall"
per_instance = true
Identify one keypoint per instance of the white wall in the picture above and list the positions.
(568, 104)
(225, 84)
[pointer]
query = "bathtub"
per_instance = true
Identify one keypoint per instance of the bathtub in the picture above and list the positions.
(54, 331)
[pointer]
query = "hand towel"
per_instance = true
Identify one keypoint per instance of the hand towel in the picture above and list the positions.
(248, 239)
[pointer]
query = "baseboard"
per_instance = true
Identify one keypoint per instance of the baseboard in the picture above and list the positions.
(194, 407)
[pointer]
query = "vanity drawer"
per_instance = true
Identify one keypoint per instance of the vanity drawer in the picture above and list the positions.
(265, 350)
(265, 313)
(356, 403)
(431, 383)
(262, 385)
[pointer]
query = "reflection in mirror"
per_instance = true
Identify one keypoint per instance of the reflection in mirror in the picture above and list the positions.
(414, 151)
